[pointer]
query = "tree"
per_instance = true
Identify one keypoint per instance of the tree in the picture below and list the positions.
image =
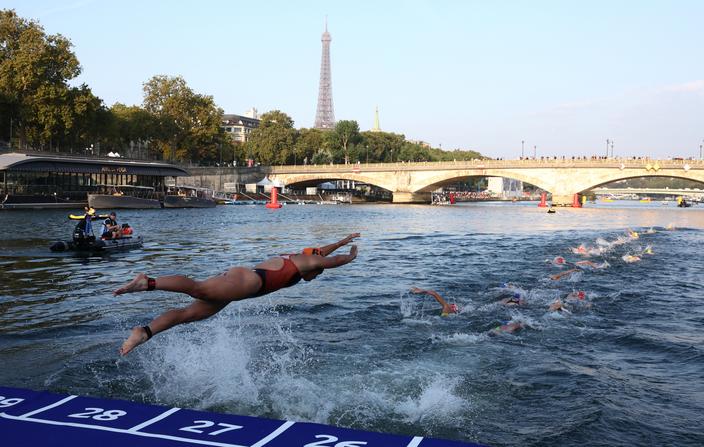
(34, 72)
(381, 146)
(273, 142)
(346, 133)
(188, 124)
(311, 142)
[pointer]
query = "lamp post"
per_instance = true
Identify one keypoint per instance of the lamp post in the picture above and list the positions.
(607, 148)
(523, 142)
(700, 150)
(612, 148)
(535, 152)
(367, 147)
(10, 132)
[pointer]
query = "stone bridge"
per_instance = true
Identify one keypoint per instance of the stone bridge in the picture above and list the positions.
(413, 182)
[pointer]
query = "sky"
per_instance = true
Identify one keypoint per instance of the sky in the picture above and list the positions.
(561, 76)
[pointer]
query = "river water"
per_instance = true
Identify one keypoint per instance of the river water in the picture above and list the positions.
(354, 348)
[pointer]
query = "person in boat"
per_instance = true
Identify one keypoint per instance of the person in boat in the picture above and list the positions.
(237, 283)
(126, 230)
(111, 230)
(447, 308)
(83, 232)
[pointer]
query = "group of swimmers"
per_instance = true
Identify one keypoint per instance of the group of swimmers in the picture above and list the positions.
(583, 265)
(238, 283)
(517, 298)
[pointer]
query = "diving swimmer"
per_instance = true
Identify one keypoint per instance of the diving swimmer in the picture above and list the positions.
(447, 309)
(238, 283)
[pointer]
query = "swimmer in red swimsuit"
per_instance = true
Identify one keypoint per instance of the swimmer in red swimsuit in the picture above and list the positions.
(238, 283)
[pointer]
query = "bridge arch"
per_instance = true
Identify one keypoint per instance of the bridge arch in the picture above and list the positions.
(297, 179)
(447, 177)
(606, 178)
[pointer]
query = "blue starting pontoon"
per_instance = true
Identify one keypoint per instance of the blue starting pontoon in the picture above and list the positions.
(30, 418)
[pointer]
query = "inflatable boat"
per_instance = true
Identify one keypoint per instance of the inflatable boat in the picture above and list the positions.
(98, 245)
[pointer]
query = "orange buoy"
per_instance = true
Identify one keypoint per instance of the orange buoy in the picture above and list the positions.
(274, 204)
(543, 200)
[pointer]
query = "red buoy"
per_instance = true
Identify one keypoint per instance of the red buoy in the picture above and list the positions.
(452, 198)
(274, 199)
(575, 201)
(543, 200)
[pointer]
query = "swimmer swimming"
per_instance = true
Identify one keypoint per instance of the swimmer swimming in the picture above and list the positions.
(508, 328)
(447, 309)
(592, 264)
(238, 283)
(630, 258)
(563, 274)
(558, 306)
(515, 300)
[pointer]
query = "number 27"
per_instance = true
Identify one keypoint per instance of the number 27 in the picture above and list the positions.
(206, 424)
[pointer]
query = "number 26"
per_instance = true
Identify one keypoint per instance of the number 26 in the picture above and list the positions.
(327, 442)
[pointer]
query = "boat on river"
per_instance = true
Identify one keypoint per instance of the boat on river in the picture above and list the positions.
(98, 245)
(123, 196)
(190, 197)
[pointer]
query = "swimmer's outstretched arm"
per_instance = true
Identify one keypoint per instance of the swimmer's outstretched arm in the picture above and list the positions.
(309, 263)
(338, 260)
(434, 294)
(565, 273)
(326, 250)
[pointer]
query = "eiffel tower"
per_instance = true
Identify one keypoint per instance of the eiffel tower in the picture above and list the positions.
(325, 115)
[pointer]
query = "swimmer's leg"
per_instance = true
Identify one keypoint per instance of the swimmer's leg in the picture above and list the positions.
(199, 310)
(176, 283)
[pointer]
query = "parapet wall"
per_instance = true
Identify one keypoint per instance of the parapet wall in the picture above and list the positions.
(215, 178)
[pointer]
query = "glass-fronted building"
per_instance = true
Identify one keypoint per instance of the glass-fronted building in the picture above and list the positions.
(44, 181)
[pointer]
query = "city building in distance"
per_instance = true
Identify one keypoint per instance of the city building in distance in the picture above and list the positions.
(238, 127)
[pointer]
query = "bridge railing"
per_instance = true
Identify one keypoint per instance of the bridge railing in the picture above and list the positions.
(621, 163)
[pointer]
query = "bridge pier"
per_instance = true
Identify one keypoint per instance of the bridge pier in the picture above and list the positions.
(411, 197)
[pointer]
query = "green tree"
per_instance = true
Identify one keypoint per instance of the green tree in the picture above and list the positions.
(188, 124)
(311, 142)
(273, 142)
(345, 135)
(381, 146)
(34, 72)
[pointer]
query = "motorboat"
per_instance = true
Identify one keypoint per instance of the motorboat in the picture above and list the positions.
(85, 241)
(190, 197)
(123, 196)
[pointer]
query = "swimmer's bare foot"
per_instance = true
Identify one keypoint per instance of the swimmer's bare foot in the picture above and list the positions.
(138, 284)
(136, 338)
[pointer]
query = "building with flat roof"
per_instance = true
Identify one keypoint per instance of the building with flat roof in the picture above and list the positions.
(238, 127)
(48, 181)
